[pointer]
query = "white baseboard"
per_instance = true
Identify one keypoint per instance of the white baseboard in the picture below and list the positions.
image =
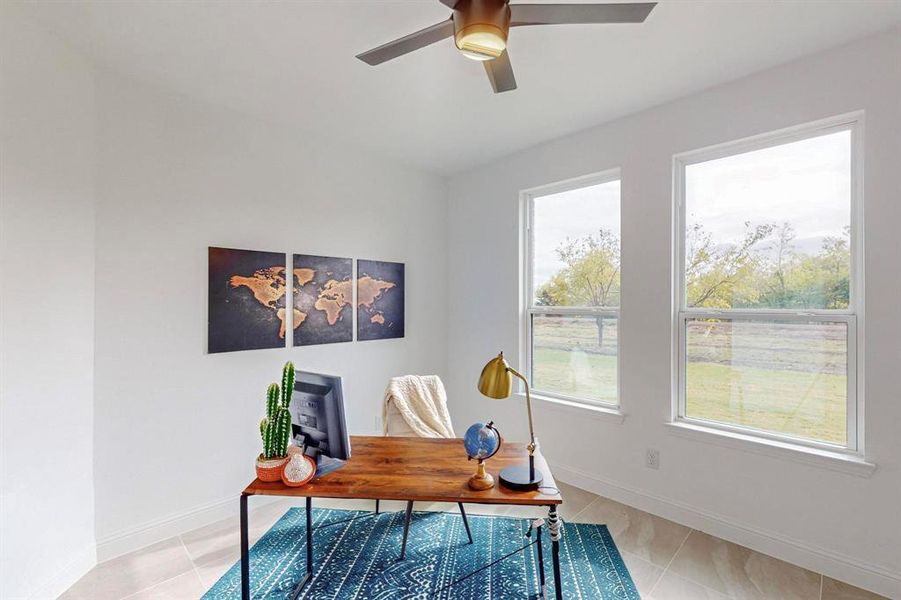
(56, 584)
(157, 530)
(832, 564)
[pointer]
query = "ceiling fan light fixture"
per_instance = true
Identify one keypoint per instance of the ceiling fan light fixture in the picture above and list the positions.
(481, 41)
(480, 29)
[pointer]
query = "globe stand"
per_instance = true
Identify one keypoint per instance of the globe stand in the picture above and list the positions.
(522, 477)
(482, 480)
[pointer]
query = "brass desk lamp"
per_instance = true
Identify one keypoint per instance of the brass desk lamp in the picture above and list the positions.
(496, 381)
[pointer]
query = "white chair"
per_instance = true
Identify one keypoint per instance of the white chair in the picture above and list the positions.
(416, 406)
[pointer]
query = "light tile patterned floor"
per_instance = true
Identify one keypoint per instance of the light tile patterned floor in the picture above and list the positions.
(667, 561)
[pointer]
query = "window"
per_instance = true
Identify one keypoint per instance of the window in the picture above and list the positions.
(767, 285)
(571, 329)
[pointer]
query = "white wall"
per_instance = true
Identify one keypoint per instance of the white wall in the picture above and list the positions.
(46, 312)
(176, 428)
(833, 522)
(170, 432)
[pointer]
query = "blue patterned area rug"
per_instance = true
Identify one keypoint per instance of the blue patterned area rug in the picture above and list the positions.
(357, 559)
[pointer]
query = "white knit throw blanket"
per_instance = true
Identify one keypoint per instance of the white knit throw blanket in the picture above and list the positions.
(422, 402)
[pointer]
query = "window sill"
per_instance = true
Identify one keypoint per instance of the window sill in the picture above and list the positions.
(825, 459)
(602, 413)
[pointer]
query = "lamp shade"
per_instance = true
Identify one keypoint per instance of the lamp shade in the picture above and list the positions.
(496, 380)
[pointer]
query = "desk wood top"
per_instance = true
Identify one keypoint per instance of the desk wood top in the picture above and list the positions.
(424, 469)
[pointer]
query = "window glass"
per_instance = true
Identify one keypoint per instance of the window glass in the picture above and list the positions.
(575, 356)
(789, 377)
(771, 228)
(574, 302)
(576, 247)
(766, 317)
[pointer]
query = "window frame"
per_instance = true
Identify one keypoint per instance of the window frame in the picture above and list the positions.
(852, 316)
(527, 267)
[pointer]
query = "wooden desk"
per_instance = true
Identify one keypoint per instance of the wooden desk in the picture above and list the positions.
(417, 469)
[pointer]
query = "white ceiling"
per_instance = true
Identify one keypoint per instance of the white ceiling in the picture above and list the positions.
(293, 62)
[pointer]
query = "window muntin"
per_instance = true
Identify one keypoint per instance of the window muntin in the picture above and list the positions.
(766, 288)
(573, 290)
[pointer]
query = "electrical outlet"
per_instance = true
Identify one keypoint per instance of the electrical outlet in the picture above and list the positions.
(377, 424)
(652, 459)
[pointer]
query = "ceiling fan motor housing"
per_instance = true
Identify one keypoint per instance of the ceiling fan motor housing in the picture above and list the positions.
(478, 20)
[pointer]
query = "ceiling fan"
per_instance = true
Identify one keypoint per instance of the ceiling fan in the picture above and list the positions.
(480, 28)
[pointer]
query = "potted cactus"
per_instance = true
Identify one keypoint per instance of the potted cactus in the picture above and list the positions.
(275, 428)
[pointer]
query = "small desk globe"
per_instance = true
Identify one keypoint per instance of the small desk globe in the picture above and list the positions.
(482, 441)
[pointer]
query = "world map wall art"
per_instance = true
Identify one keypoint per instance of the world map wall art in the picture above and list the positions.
(248, 293)
(380, 300)
(323, 300)
(246, 300)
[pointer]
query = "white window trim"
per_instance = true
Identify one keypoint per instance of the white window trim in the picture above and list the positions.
(527, 310)
(842, 462)
(816, 452)
(599, 412)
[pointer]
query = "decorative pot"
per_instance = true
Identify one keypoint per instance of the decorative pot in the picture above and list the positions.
(298, 470)
(270, 469)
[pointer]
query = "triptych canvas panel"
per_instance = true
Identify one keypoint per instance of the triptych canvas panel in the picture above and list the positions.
(323, 300)
(246, 300)
(380, 300)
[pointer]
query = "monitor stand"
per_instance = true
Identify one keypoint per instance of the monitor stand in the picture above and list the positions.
(327, 464)
(324, 464)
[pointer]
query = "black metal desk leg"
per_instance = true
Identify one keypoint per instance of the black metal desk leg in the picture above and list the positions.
(554, 527)
(309, 535)
(309, 575)
(245, 559)
(465, 521)
(541, 563)
(407, 517)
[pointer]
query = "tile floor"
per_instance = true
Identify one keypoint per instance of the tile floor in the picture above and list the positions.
(667, 561)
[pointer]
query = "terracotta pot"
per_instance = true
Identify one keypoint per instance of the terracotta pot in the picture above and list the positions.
(270, 469)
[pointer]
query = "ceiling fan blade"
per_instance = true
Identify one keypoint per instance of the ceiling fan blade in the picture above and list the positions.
(500, 73)
(408, 43)
(560, 14)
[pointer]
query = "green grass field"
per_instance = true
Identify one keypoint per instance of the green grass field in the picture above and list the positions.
(773, 377)
(807, 405)
(552, 373)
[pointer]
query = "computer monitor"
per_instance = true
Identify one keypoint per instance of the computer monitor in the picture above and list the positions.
(317, 415)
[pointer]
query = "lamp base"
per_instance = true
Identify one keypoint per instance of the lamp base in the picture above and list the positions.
(518, 478)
